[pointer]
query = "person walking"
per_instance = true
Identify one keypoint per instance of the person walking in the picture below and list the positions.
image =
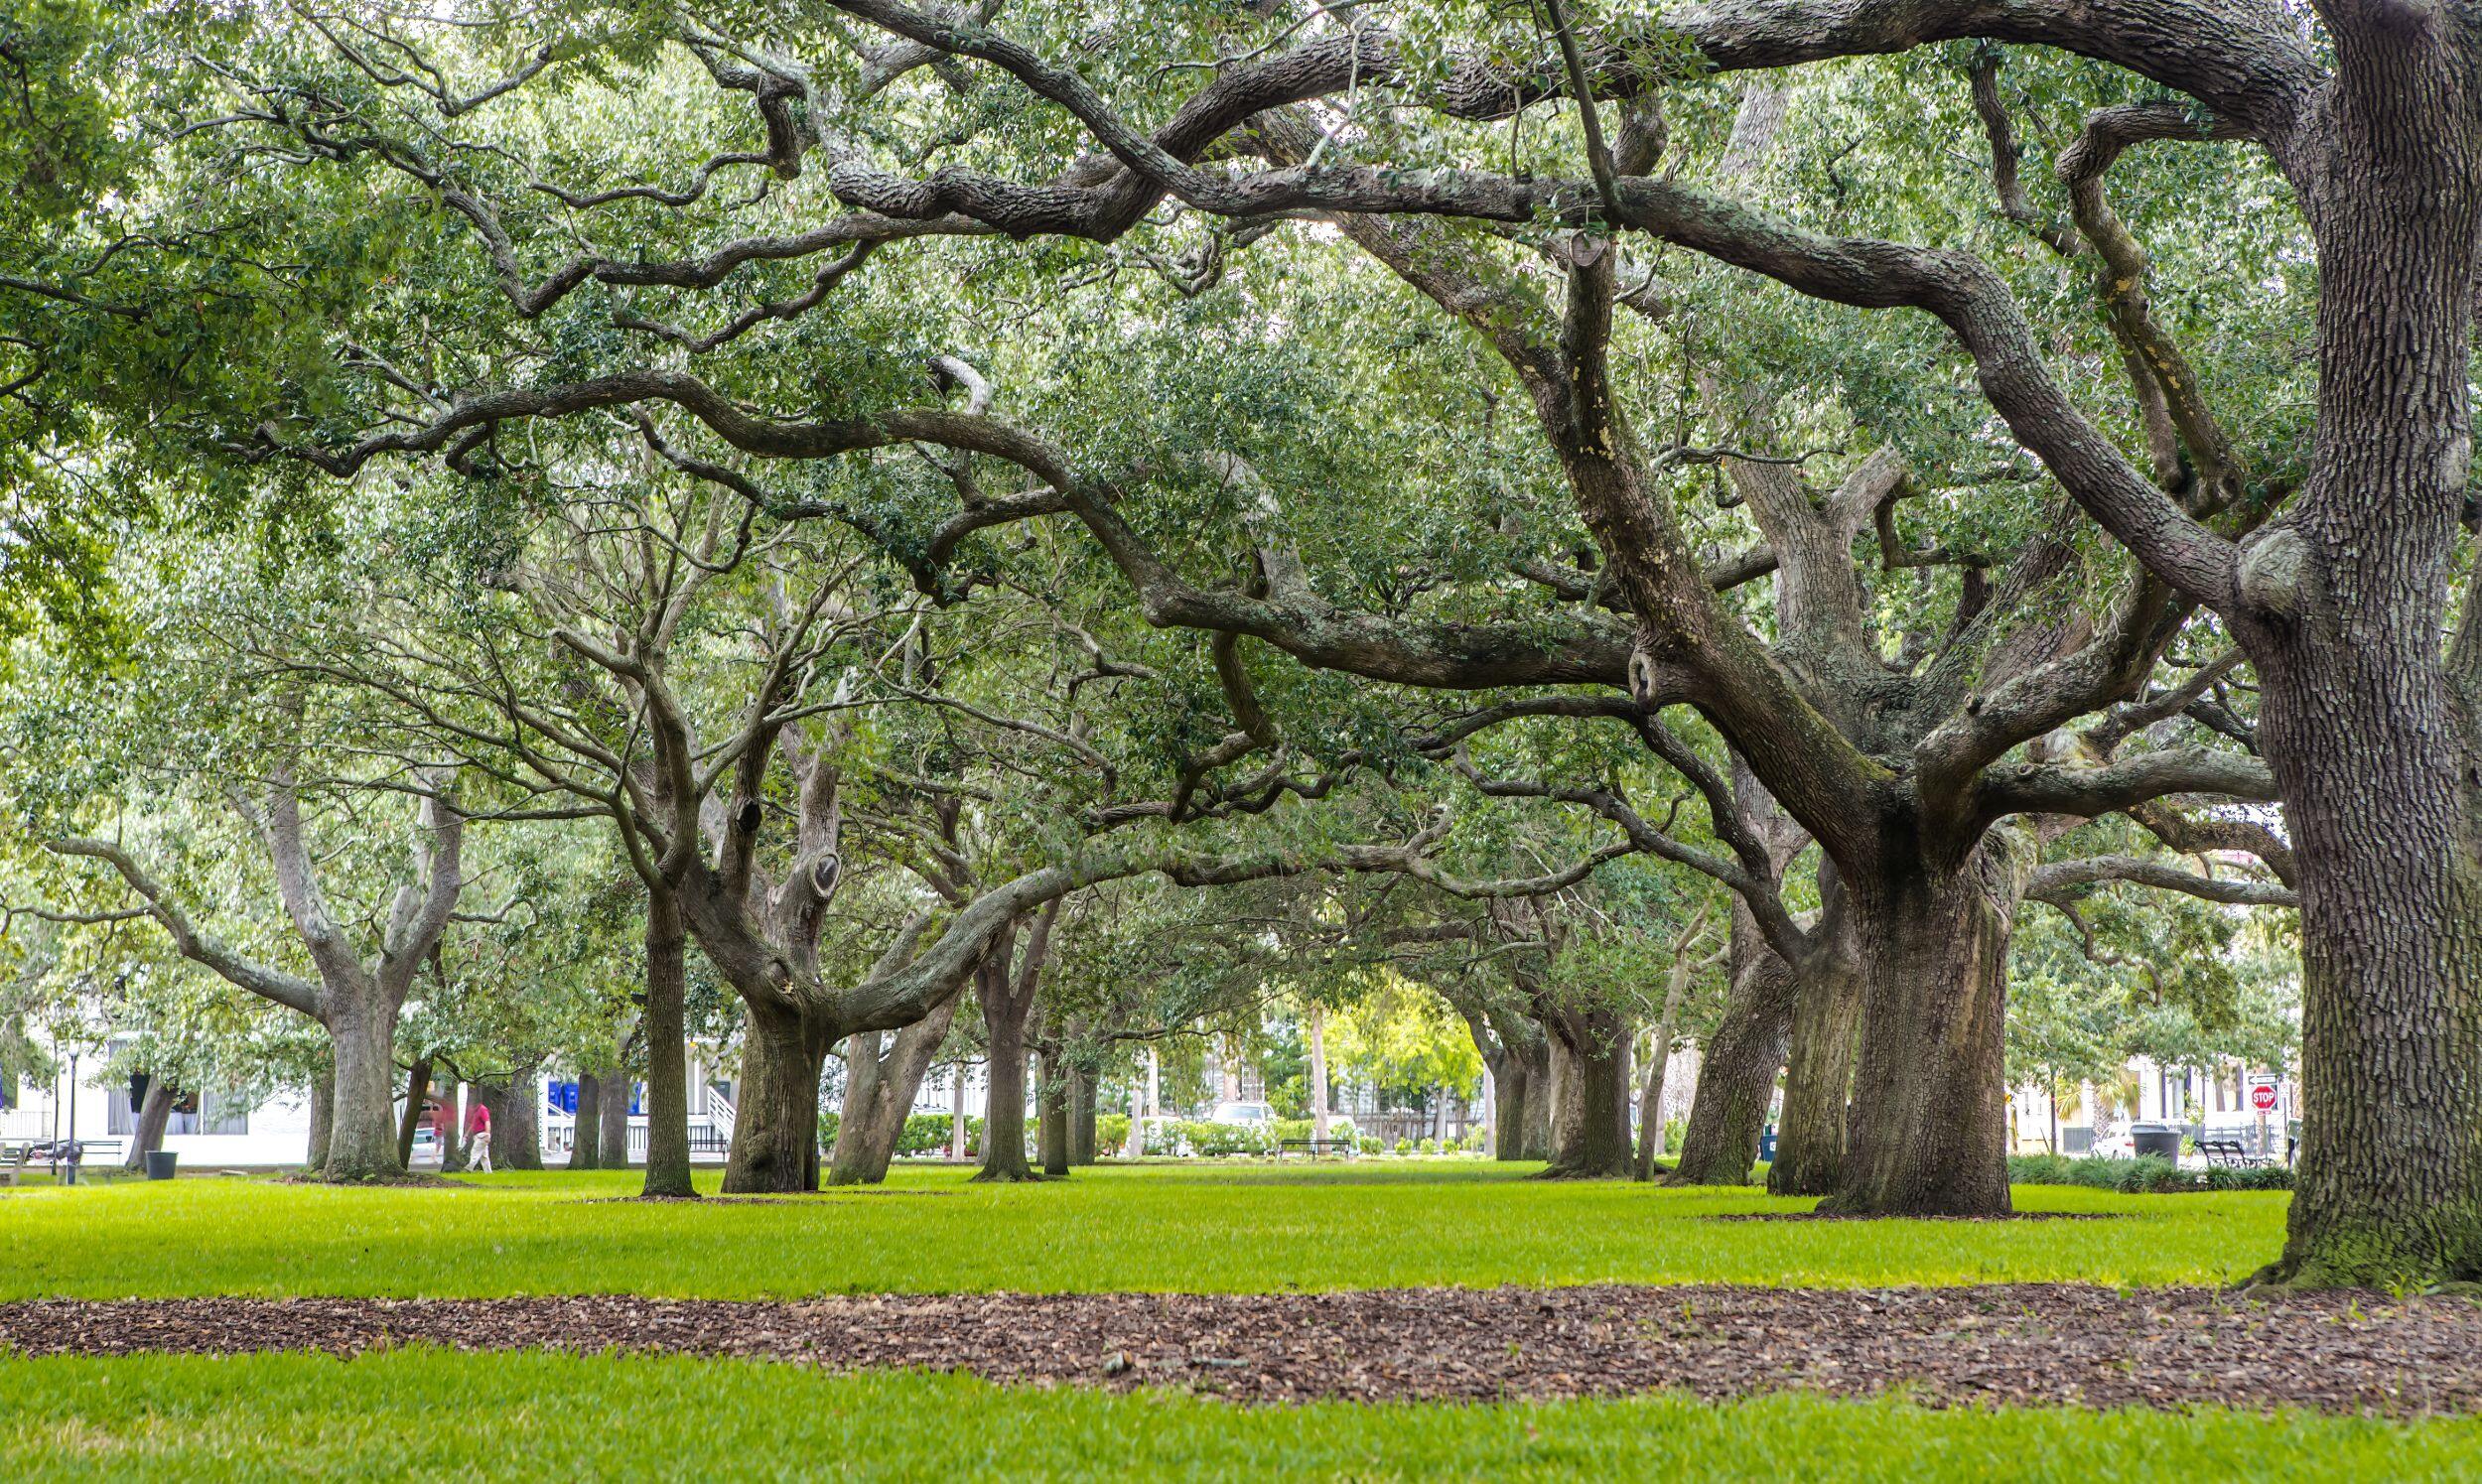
(477, 1139)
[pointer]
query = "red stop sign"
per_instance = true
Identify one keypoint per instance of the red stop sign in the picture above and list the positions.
(2262, 1097)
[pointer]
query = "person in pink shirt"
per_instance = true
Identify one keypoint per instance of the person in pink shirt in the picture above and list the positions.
(479, 1138)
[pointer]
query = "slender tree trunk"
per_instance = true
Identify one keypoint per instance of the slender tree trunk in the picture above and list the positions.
(1318, 1070)
(667, 1050)
(322, 1120)
(155, 1111)
(1008, 1005)
(861, 1125)
(417, 1082)
(1082, 1097)
(881, 1083)
(612, 1135)
(585, 1129)
(1004, 1109)
(1512, 1089)
(1136, 1147)
(956, 1111)
(1818, 1083)
(1052, 1091)
(1928, 1132)
(775, 1130)
(1737, 1073)
(362, 1141)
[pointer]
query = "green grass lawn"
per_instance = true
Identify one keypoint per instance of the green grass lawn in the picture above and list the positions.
(1180, 1227)
(420, 1413)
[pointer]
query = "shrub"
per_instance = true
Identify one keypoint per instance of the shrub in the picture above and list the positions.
(1404, 1145)
(1367, 1143)
(929, 1132)
(1111, 1133)
(1213, 1140)
(2152, 1176)
(1429, 1146)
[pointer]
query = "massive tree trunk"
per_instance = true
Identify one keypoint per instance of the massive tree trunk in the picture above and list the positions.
(881, 1080)
(361, 1138)
(667, 1050)
(1736, 1073)
(2375, 743)
(1818, 1082)
(155, 1110)
(775, 1130)
(409, 1118)
(585, 1129)
(1591, 1128)
(1928, 1130)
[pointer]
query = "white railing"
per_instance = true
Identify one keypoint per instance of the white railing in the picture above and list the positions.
(720, 1113)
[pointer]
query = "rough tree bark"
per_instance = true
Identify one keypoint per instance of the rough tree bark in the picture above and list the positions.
(1818, 1068)
(1052, 1093)
(776, 1127)
(1736, 1073)
(883, 1076)
(1818, 1081)
(1082, 1112)
(1930, 1071)
(1589, 1051)
(611, 1137)
(1008, 1004)
(321, 1120)
(2375, 737)
(586, 1127)
(667, 1051)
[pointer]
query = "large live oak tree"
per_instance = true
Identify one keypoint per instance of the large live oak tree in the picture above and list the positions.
(357, 991)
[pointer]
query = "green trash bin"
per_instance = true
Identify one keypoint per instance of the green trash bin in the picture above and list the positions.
(161, 1163)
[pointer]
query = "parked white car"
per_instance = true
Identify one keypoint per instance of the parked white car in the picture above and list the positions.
(1245, 1114)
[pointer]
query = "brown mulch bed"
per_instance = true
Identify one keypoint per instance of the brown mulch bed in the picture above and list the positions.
(2017, 1344)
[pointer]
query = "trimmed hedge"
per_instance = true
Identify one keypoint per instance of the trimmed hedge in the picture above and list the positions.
(2151, 1175)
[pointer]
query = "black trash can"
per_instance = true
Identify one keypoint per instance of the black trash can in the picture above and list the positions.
(2160, 1140)
(161, 1162)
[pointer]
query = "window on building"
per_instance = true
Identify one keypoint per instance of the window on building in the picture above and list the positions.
(223, 1112)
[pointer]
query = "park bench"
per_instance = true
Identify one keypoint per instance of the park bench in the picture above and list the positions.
(2231, 1152)
(1313, 1146)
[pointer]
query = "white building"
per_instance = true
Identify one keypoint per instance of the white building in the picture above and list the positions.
(207, 1131)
